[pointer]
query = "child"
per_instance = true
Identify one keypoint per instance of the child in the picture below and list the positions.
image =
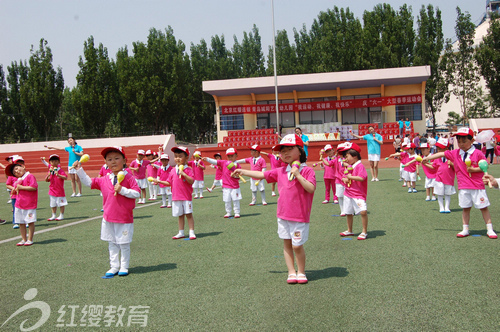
(11, 180)
(161, 179)
(339, 169)
(9, 161)
(329, 177)
(276, 162)
(257, 164)
(199, 174)
(138, 168)
(117, 227)
(57, 196)
(430, 173)
(470, 180)
(409, 165)
(181, 179)
(26, 191)
(230, 186)
(296, 185)
(444, 186)
(355, 191)
(218, 174)
(152, 172)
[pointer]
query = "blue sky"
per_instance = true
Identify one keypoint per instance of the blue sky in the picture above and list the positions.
(66, 24)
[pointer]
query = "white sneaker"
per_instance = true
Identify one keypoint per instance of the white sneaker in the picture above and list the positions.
(78, 195)
(376, 179)
(9, 201)
(273, 194)
(409, 190)
(373, 179)
(264, 203)
(73, 195)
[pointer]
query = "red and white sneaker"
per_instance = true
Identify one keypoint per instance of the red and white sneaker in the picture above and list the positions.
(325, 202)
(178, 236)
(209, 190)
(463, 234)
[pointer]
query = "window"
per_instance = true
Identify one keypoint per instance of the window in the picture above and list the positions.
(317, 117)
(232, 122)
(268, 120)
(413, 112)
(361, 115)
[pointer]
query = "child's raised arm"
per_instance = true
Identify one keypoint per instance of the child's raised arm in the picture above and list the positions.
(209, 160)
(253, 174)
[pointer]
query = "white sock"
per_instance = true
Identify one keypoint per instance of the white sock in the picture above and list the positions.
(254, 196)
(263, 195)
(191, 233)
(163, 199)
(53, 216)
(447, 199)
(427, 198)
(465, 229)
(489, 227)
(125, 257)
(169, 199)
(236, 207)
(181, 232)
(61, 216)
(440, 202)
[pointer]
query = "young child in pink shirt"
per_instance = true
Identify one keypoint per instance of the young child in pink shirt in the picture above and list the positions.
(257, 163)
(430, 173)
(355, 191)
(329, 162)
(26, 189)
(199, 174)
(161, 179)
(138, 168)
(296, 185)
(11, 180)
(230, 186)
(218, 173)
(57, 195)
(181, 180)
(152, 171)
(339, 174)
(471, 190)
(117, 226)
(444, 185)
(276, 162)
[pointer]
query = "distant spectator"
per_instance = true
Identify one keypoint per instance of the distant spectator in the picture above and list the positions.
(397, 144)
(401, 127)
(407, 126)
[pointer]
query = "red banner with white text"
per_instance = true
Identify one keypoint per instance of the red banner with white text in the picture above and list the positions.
(323, 105)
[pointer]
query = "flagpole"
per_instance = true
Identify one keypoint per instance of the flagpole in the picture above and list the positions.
(275, 74)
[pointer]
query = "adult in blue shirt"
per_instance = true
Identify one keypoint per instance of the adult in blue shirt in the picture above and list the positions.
(75, 152)
(408, 126)
(401, 128)
(304, 138)
(373, 143)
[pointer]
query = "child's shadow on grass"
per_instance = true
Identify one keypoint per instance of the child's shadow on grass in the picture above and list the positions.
(38, 224)
(50, 241)
(250, 214)
(142, 217)
(202, 235)
(154, 268)
(374, 234)
(329, 272)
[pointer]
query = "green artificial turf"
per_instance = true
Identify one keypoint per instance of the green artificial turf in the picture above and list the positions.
(411, 274)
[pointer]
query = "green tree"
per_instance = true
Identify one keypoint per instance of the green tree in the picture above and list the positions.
(286, 58)
(462, 67)
(305, 51)
(17, 73)
(428, 49)
(96, 93)
(221, 60)
(248, 56)
(68, 119)
(4, 108)
(41, 92)
(488, 58)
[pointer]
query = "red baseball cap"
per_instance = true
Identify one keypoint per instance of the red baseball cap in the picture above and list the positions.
(255, 147)
(180, 148)
(350, 145)
(328, 147)
(10, 167)
(290, 140)
(442, 143)
(231, 151)
(54, 156)
(464, 131)
(410, 146)
(118, 149)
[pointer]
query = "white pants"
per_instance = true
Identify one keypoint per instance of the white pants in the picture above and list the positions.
(236, 207)
(122, 263)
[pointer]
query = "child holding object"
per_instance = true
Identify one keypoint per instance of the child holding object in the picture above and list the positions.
(257, 164)
(119, 191)
(218, 174)
(339, 184)
(276, 162)
(138, 168)
(56, 177)
(444, 186)
(296, 185)
(355, 191)
(26, 191)
(230, 186)
(199, 174)
(430, 173)
(329, 164)
(471, 190)
(161, 179)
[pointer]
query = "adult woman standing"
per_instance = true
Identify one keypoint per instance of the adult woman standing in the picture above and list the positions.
(75, 151)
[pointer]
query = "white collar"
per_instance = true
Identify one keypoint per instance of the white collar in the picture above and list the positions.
(356, 164)
(469, 152)
(24, 176)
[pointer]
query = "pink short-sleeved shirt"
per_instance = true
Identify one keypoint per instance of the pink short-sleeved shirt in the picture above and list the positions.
(256, 164)
(430, 173)
(199, 173)
(464, 180)
(330, 169)
(444, 173)
(56, 186)
(27, 200)
(294, 203)
(104, 170)
(275, 162)
(227, 180)
(117, 209)
(11, 180)
(181, 189)
(218, 172)
(404, 157)
(163, 173)
(152, 171)
(339, 171)
(141, 173)
(413, 166)
(358, 189)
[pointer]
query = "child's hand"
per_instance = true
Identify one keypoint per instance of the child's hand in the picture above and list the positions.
(42, 158)
(204, 158)
(118, 188)
(237, 172)
(77, 165)
(345, 180)
(491, 179)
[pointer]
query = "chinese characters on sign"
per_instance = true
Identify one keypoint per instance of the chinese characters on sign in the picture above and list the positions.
(323, 105)
(102, 316)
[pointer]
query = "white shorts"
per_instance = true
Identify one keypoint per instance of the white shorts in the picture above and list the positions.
(374, 157)
(198, 184)
(339, 190)
(229, 194)
(25, 216)
(180, 208)
(142, 183)
(442, 189)
(165, 191)
(57, 201)
(218, 183)
(71, 170)
(116, 232)
(411, 176)
(259, 187)
(476, 197)
(405, 176)
(354, 205)
(298, 232)
(429, 183)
